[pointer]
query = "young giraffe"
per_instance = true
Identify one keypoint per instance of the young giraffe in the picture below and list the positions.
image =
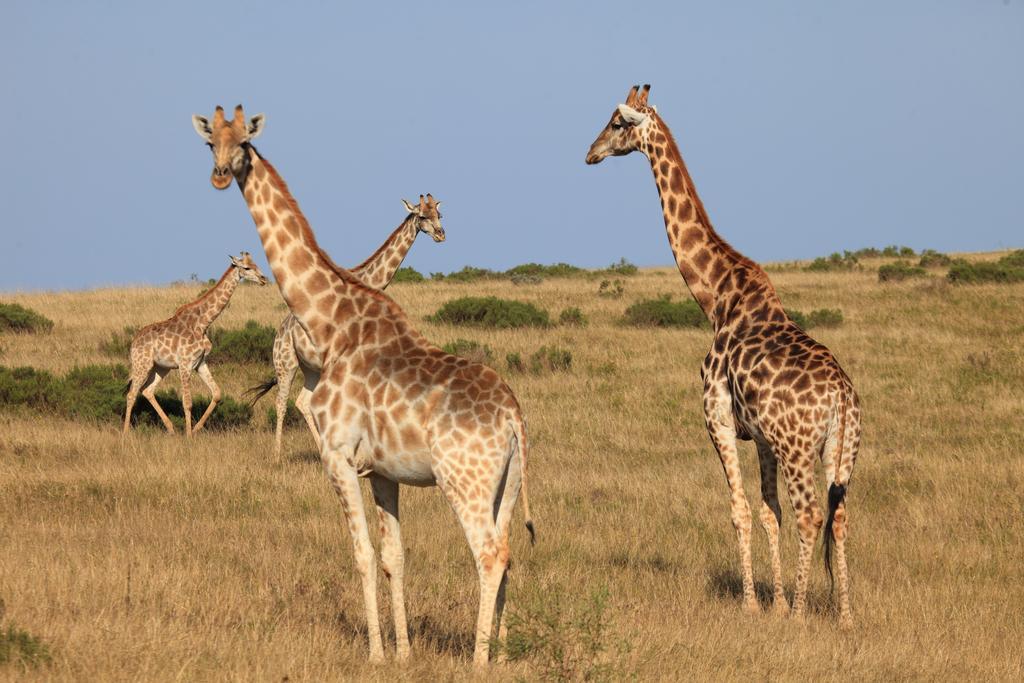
(181, 342)
(764, 378)
(389, 405)
(293, 349)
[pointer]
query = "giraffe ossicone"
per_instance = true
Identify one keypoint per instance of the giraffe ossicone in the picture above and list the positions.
(389, 405)
(764, 378)
(181, 342)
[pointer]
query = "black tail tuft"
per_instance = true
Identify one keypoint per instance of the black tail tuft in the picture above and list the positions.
(836, 494)
(533, 533)
(257, 392)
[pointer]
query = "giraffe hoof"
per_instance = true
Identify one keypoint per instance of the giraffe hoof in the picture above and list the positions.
(780, 608)
(846, 623)
(751, 606)
(377, 657)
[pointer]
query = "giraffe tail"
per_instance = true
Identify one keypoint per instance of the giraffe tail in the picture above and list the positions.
(260, 390)
(837, 489)
(127, 387)
(519, 431)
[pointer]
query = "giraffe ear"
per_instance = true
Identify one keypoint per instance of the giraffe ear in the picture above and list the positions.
(202, 126)
(235, 261)
(256, 124)
(632, 116)
(409, 207)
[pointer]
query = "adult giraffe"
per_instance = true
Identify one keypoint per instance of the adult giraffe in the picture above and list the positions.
(293, 349)
(423, 417)
(181, 342)
(764, 378)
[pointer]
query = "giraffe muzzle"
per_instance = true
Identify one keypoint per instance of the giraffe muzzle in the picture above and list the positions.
(221, 177)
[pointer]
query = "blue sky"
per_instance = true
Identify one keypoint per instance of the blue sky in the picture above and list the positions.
(809, 127)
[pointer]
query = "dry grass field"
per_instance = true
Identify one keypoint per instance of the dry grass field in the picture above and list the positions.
(158, 559)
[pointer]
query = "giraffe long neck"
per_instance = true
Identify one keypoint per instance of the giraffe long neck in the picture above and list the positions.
(378, 270)
(311, 284)
(714, 272)
(215, 300)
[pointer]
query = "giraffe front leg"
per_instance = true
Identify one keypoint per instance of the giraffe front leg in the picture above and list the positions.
(771, 518)
(392, 557)
(722, 430)
(337, 462)
(139, 379)
(800, 482)
(185, 373)
(150, 393)
(215, 395)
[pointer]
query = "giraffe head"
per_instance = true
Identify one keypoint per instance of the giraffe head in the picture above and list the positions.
(247, 270)
(229, 141)
(629, 128)
(426, 216)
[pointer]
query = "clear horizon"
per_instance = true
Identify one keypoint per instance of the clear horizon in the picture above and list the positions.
(807, 129)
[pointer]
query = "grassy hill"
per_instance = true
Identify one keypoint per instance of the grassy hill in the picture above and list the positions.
(155, 559)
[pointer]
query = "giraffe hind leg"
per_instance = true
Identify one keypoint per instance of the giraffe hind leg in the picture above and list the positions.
(392, 557)
(140, 378)
(800, 483)
(310, 379)
(149, 392)
(771, 519)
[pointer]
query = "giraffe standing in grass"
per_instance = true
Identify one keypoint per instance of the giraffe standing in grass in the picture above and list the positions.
(764, 378)
(293, 349)
(181, 342)
(389, 405)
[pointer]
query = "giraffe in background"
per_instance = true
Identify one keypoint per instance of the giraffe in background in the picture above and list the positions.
(389, 405)
(764, 379)
(293, 349)
(181, 342)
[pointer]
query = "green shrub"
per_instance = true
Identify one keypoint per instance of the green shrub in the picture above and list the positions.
(899, 271)
(490, 311)
(120, 343)
(867, 252)
(611, 289)
(408, 274)
(1014, 259)
(254, 343)
(538, 270)
(623, 267)
(17, 318)
(94, 392)
(572, 316)
(520, 279)
(934, 259)
(550, 359)
(21, 647)
(663, 312)
(471, 350)
(25, 386)
(514, 361)
(834, 262)
(820, 317)
(467, 274)
(1002, 271)
(895, 250)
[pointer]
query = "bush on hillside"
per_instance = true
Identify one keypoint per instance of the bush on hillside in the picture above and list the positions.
(1008, 269)
(254, 343)
(538, 270)
(623, 267)
(470, 350)
(408, 274)
(26, 386)
(821, 317)
(663, 312)
(550, 359)
(514, 361)
(17, 318)
(611, 289)
(896, 250)
(490, 311)
(834, 262)
(467, 274)
(934, 259)
(899, 271)
(120, 343)
(573, 317)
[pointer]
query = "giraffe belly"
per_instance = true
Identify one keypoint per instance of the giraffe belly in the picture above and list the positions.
(409, 468)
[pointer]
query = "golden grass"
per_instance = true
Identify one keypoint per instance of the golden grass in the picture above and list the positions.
(158, 559)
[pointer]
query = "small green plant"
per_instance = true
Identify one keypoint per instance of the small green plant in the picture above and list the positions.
(514, 361)
(799, 317)
(611, 289)
(622, 267)
(934, 259)
(566, 641)
(550, 359)
(470, 350)
(899, 271)
(663, 312)
(17, 318)
(93, 392)
(490, 311)
(28, 387)
(119, 344)
(834, 262)
(254, 343)
(896, 250)
(525, 279)
(572, 316)
(1008, 269)
(867, 252)
(408, 274)
(467, 274)
(21, 647)
(541, 271)
(820, 317)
